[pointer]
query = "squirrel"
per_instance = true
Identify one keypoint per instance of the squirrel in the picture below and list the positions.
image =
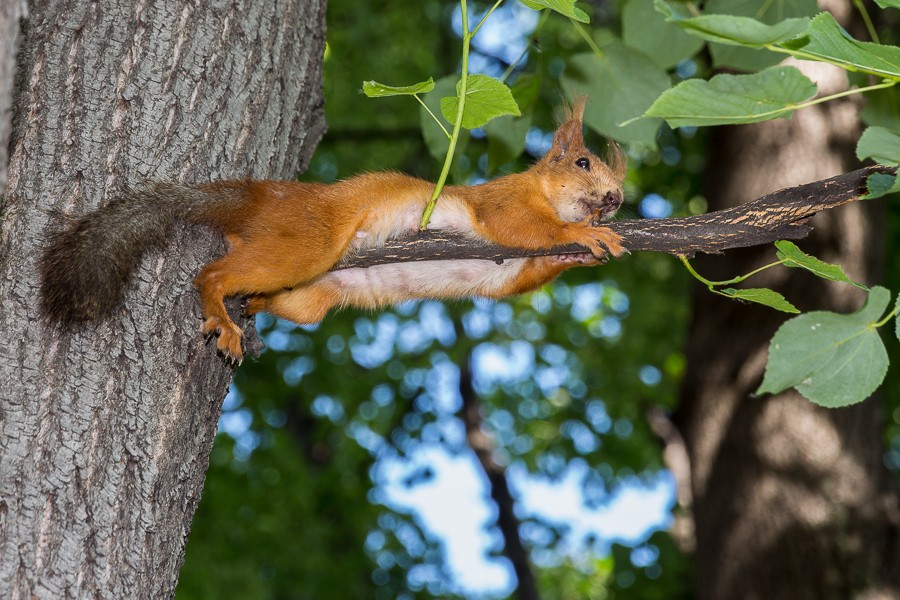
(284, 237)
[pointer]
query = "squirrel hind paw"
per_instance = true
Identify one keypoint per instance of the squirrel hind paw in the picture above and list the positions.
(229, 338)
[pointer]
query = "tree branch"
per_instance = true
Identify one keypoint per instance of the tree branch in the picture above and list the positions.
(776, 216)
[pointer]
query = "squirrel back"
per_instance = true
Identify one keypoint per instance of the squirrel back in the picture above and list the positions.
(85, 268)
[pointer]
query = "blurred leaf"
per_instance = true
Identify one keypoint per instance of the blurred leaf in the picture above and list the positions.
(888, 3)
(731, 99)
(373, 89)
(883, 108)
(564, 7)
(795, 257)
(486, 98)
(829, 42)
(832, 359)
(506, 140)
(763, 296)
(621, 85)
(506, 134)
(645, 29)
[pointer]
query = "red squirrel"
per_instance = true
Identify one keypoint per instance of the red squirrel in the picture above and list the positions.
(284, 238)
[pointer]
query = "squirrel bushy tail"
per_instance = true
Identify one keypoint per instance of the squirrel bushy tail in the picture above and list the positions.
(85, 267)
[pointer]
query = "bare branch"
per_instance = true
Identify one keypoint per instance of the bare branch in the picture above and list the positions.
(776, 216)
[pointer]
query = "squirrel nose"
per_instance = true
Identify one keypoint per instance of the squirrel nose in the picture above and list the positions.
(613, 198)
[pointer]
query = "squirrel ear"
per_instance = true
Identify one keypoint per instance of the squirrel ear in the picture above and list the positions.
(569, 135)
(566, 137)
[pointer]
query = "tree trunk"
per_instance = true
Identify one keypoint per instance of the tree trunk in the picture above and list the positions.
(105, 432)
(790, 500)
(11, 12)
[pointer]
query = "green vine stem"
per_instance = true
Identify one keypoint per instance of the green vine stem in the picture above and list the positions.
(711, 285)
(460, 108)
(433, 116)
(885, 320)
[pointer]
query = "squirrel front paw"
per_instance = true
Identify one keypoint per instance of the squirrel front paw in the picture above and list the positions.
(601, 241)
(229, 338)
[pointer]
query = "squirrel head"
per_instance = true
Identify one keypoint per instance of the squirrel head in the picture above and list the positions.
(575, 181)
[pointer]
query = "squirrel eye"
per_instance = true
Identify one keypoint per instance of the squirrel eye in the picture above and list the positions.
(583, 163)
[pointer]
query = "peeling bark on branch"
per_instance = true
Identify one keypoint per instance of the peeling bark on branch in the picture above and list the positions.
(776, 216)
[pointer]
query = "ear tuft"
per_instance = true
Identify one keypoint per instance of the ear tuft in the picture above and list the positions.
(617, 160)
(575, 110)
(569, 134)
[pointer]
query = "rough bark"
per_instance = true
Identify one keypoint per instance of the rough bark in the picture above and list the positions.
(790, 500)
(11, 12)
(105, 432)
(776, 216)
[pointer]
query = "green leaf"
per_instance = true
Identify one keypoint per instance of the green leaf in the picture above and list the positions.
(645, 29)
(888, 3)
(832, 359)
(736, 30)
(729, 99)
(486, 98)
(880, 144)
(827, 41)
(769, 12)
(797, 258)
(563, 7)
(621, 85)
(763, 296)
(373, 89)
(881, 184)
(435, 139)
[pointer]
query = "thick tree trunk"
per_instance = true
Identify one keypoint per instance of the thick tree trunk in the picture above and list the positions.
(790, 500)
(11, 12)
(105, 432)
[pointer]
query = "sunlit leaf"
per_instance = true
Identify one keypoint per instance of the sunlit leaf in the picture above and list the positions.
(486, 98)
(730, 99)
(832, 359)
(563, 7)
(763, 296)
(373, 89)
(795, 257)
